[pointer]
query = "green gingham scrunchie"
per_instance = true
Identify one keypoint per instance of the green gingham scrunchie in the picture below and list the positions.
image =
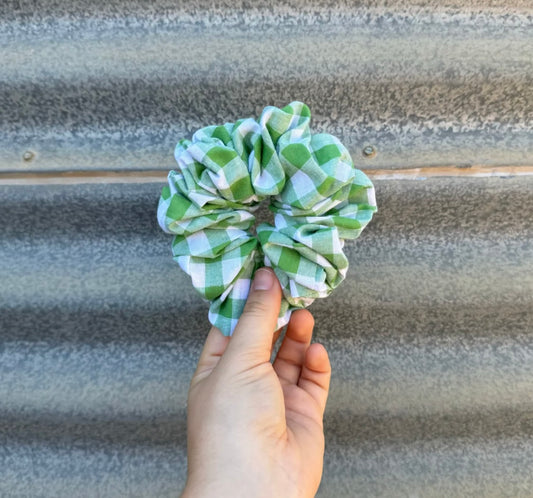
(318, 197)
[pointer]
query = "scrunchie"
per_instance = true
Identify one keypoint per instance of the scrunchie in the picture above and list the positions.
(319, 200)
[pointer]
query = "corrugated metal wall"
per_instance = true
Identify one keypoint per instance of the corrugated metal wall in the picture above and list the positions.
(431, 338)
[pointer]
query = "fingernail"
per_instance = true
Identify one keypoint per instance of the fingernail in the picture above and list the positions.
(263, 279)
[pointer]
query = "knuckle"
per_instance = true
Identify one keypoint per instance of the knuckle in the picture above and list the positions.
(256, 308)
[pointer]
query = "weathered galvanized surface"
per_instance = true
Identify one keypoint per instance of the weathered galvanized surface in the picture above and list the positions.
(431, 340)
(431, 344)
(117, 83)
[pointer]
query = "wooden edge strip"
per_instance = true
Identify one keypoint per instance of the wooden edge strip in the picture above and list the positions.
(449, 171)
(158, 176)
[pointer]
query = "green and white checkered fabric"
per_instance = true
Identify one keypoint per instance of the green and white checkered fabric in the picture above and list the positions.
(318, 197)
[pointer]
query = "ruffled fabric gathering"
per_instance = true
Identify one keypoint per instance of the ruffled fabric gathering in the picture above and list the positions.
(319, 200)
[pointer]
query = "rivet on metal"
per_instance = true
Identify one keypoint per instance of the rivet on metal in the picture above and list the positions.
(369, 151)
(28, 156)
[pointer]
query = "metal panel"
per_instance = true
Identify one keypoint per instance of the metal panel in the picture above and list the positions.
(431, 341)
(431, 344)
(117, 83)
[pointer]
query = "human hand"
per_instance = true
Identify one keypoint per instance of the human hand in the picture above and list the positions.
(255, 428)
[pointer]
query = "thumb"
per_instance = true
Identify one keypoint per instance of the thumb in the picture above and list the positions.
(251, 342)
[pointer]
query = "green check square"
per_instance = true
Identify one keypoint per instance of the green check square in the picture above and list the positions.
(289, 260)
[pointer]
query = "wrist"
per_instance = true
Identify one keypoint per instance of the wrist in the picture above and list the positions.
(208, 490)
(238, 489)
